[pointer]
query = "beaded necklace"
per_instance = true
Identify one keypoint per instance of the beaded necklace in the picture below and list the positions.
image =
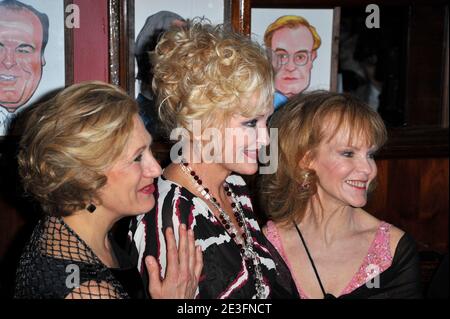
(245, 243)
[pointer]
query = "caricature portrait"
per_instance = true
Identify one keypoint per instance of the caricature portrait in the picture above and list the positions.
(24, 35)
(299, 43)
(293, 43)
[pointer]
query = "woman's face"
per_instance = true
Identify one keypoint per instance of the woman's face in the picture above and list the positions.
(129, 188)
(243, 141)
(344, 171)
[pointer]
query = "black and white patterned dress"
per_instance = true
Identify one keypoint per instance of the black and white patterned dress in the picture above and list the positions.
(225, 273)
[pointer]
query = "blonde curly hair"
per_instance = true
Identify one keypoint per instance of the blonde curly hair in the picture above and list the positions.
(208, 73)
(70, 141)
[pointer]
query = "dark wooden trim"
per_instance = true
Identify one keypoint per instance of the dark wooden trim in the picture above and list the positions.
(335, 48)
(445, 83)
(416, 142)
(127, 46)
(114, 42)
(68, 49)
(337, 3)
(121, 44)
(238, 13)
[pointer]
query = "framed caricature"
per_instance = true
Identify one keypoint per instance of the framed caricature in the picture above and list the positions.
(300, 43)
(33, 55)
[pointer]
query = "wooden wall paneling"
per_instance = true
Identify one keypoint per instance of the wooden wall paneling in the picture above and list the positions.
(425, 68)
(433, 203)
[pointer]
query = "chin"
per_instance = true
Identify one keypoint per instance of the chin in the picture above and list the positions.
(359, 203)
(246, 169)
(146, 207)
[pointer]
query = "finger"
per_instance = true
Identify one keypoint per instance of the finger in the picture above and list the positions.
(154, 286)
(183, 252)
(192, 254)
(172, 254)
(198, 262)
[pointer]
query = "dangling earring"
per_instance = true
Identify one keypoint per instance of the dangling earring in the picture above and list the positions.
(91, 208)
(306, 182)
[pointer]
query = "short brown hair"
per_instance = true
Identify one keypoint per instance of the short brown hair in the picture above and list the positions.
(70, 141)
(300, 125)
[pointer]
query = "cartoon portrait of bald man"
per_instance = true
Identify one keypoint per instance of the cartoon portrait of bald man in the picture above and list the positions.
(293, 43)
(23, 37)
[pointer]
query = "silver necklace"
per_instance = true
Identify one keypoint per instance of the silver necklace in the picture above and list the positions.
(245, 243)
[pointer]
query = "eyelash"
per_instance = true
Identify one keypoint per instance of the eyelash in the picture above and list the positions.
(138, 158)
(350, 154)
(347, 153)
(251, 123)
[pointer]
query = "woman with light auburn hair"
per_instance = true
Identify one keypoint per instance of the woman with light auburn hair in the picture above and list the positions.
(327, 143)
(222, 81)
(85, 156)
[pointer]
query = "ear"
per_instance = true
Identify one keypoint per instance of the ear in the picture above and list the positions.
(306, 161)
(313, 55)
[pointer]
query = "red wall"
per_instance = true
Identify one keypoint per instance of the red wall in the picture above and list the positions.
(90, 41)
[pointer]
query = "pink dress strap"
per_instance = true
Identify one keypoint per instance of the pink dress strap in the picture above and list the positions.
(377, 260)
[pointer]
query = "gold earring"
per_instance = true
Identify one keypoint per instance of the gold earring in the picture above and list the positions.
(306, 182)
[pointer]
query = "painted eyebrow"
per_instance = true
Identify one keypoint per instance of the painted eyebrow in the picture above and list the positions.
(25, 46)
(140, 149)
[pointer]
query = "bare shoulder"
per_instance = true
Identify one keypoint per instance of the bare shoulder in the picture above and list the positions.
(367, 223)
(371, 224)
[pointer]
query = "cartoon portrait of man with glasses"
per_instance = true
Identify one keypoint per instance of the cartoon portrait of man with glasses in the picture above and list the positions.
(293, 44)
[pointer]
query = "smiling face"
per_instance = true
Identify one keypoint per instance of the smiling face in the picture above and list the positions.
(344, 170)
(291, 46)
(249, 136)
(129, 188)
(21, 58)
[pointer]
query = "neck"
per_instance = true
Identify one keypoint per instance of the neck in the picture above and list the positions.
(327, 223)
(212, 175)
(93, 228)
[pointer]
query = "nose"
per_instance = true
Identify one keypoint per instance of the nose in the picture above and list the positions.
(366, 166)
(263, 136)
(152, 169)
(9, 59)
(290, 66)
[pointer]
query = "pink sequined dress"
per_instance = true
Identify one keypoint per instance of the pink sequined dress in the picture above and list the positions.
(377, 260)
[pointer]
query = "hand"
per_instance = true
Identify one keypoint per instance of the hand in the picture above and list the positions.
(184, 267)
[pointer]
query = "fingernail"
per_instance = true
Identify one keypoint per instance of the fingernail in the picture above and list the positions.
(190, 232)
(183, 226)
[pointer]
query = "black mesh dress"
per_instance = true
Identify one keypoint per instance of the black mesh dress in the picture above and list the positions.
(57, 264)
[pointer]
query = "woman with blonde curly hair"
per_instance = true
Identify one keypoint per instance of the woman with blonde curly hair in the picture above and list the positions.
(85, 157)
(314, 201)
(216, 88)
